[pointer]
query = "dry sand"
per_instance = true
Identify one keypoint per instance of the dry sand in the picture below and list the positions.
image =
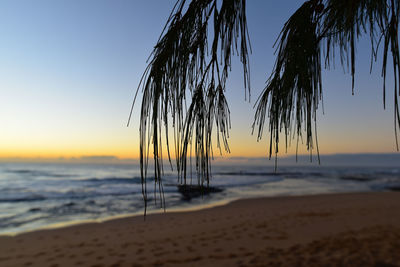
(358, 229)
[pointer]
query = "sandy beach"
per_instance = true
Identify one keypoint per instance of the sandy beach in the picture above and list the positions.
(357, 229)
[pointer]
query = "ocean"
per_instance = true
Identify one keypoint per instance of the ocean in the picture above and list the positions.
(40, 195)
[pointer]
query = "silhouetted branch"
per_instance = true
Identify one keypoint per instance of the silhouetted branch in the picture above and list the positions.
(294, 88)
(181, 67)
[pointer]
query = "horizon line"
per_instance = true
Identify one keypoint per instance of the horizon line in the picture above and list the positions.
(113, 158)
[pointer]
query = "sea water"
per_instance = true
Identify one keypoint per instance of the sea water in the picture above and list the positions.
(38, 195)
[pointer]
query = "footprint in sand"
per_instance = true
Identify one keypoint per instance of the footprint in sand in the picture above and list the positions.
(88, 253)
(142, 258)
(157, 249)
(40, 254)
(5, 258)
(125, 245)
(158, 254)
(117, 264)
(248, 254)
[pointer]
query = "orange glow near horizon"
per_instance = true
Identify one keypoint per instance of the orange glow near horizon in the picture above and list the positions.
(239, 146)
(70, 153)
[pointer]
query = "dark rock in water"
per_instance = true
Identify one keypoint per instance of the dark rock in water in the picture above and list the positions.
(356, 178)
(192, 191)
(393, 188)
(35, 209)
(69, 204)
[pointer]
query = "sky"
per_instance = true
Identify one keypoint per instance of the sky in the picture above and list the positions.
(69, 70)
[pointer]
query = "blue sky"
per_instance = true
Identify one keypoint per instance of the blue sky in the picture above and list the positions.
(69, 71)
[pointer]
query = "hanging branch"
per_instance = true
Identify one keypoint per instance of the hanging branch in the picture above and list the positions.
(294, 88)
(345, 21)
(181, 67)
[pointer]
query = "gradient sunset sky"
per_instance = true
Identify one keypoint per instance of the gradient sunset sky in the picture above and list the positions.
(69, 70)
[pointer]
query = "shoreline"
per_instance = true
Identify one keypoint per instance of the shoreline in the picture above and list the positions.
(160, 211)
(345, 228)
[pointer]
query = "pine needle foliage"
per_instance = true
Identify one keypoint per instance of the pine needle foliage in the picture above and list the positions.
(184, 83)
(294, 90)
(183, 66)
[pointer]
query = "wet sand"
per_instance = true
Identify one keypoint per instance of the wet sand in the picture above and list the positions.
(357, 229)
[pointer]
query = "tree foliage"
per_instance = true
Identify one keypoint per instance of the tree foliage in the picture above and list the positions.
(184, 83)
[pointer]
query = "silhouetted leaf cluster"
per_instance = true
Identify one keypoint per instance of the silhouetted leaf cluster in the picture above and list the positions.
(183, 66)
(294, 89)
